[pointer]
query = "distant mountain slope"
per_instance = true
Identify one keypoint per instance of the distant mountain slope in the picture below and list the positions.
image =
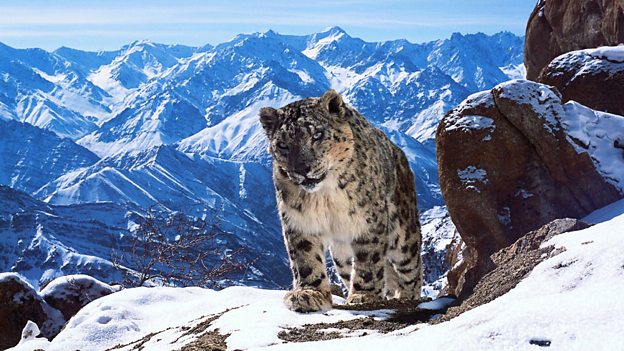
(43, 241)
(30, 157)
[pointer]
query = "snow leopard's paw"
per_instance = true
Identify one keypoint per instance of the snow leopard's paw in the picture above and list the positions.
(359, 298)
(308, 300)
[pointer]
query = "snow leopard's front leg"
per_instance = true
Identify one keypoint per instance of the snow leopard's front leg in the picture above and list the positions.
(311, 290)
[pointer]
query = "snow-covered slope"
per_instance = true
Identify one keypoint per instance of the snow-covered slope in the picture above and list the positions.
(569, 302)
(135, 64)
(45, 90)
(167, 177)
(30, 157)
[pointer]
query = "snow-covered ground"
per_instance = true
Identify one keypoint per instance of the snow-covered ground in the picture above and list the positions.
(570, 301)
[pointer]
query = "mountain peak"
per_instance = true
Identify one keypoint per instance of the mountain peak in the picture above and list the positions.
(456, 36)
(333, 30)
(142, 42)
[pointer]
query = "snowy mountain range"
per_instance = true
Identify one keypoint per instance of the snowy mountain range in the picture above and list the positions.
(176, 127)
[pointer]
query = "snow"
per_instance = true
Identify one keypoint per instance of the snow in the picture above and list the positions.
(304, 76)
(30, 332)
(482, 98)
(315, 48)
(543, 100)
(524, 194)
(51, 78)
(471, 176)
(611, 53)
(606, 213)
(571, 301)
(603, 60)
(252, 316)
(469, 122)
(242, 192)
(10, 276)
(437, 304)
(70, 285)
(515, 71)
(598, 134)
(239, 136)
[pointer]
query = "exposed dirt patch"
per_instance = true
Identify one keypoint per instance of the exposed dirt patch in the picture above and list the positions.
(381, 305)
(402, 314)
(325, 331)
(209, 341)
(137, 344)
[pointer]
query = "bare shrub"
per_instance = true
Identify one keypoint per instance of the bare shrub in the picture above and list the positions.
(176, 250)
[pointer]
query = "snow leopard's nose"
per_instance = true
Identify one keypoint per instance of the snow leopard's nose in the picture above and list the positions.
(303, 171)
(299, 165)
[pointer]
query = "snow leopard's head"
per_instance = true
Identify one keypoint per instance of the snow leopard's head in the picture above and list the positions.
(309, 139)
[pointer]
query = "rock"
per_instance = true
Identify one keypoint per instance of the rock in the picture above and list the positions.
(593, 77)
(511, 264)
(559, 26)
(70, 293)
(515, 158)
(19, 304)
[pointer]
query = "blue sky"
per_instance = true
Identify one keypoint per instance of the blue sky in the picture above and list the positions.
(107, 25)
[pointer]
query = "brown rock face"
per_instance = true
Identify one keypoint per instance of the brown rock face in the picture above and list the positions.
(19, 303)
(71, 293)
(590, 77)
(559, 26)
(507, 167)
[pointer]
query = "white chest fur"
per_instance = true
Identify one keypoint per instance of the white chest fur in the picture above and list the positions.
(325, 212)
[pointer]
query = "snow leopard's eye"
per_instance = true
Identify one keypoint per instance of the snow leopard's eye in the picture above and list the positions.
(318, 135)
(282, 145)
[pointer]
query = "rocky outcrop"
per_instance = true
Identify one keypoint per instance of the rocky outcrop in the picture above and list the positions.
(69, 294)
(515, 158)
(511, 264)
(593, 77)
(559, 26)
(19, 303)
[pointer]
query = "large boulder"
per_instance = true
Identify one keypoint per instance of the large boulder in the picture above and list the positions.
(593, 77)
(559, 26)
(515, 158)
(69, 294)
(20, 303)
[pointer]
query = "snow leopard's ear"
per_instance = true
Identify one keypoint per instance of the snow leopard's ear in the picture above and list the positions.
(269, 118)
(332, 101)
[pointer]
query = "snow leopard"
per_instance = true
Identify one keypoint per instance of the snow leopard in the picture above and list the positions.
(342, 185)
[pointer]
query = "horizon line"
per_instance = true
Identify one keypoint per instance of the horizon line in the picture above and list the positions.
(158, 42)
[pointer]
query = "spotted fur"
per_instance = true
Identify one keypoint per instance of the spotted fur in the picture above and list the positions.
(342, 185)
